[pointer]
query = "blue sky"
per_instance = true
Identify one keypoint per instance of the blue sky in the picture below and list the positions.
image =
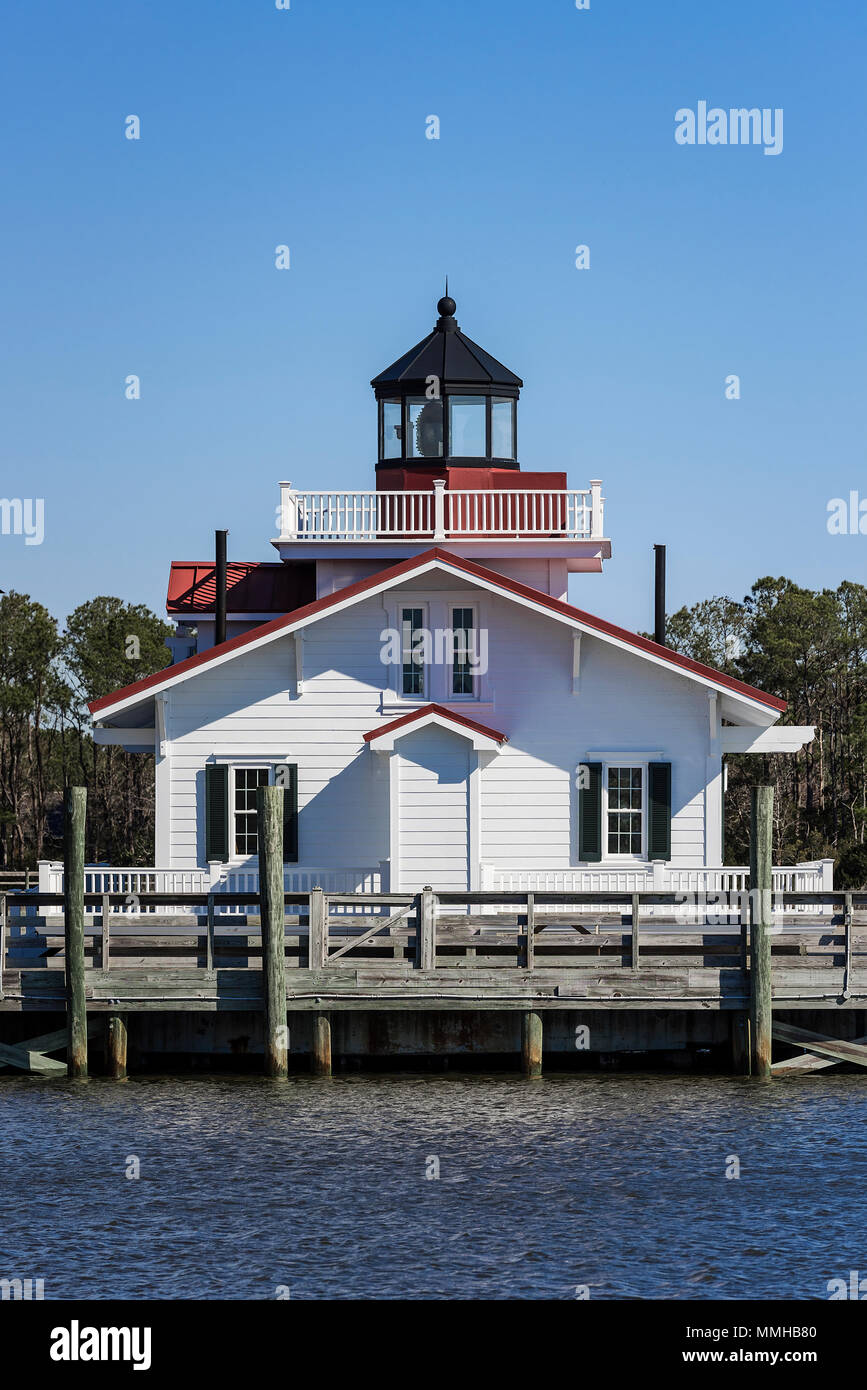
(307, 127)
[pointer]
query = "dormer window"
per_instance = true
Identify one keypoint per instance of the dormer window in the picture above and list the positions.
(412, 651)
(464, 645)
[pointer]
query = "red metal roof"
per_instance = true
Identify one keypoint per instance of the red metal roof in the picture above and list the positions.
(441, 710)
(405, 568)
(252, 586)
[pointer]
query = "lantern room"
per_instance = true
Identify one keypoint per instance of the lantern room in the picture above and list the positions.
(447, 402)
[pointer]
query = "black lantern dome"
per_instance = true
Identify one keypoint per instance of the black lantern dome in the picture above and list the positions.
(447, 399)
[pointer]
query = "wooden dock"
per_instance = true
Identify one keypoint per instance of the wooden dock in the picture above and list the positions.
(531, 953)
(524, 956)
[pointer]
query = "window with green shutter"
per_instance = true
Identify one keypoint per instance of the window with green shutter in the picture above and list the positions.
(231, 825)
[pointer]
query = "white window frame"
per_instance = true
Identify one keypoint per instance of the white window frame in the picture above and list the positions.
(437, 608)
(244, 764)
(474, 696)
(625, 858)
(422, 696)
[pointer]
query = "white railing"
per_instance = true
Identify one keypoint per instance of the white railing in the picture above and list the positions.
(217, 879)
(701, 887)
(439, 515)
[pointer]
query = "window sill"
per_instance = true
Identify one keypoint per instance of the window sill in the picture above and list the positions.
(398, 705)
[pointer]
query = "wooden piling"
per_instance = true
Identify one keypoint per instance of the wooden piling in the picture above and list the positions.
(317, 933)
(2, 938)
(739, 1036)
(761, 917)
(531, 1044)
(115, 1046)
(321, 1061)
(269, 814)
(105, 947)
(741, 1041)
(426, 937)
(209, 941)
(73, 916)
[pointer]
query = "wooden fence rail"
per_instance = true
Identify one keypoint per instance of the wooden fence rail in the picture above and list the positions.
(526, 930)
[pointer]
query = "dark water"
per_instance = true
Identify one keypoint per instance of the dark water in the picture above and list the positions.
(614, 1182)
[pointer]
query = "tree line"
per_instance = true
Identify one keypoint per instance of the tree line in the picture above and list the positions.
(810, 648)
(47, 676)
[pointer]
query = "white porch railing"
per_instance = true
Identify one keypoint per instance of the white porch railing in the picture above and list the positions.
(815, 877)
(217, 879)
(439, 515)
(702, 885)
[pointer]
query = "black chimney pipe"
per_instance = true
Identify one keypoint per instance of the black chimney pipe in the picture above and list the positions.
(659, 623)
(221, 579)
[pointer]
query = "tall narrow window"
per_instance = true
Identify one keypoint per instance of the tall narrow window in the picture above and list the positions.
(247, 782)
(625, 808)
(412, 651)
(463, 639)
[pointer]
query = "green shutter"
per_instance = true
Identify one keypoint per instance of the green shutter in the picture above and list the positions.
(590, 815)
(659, 810)
(216, 812)
(290, 813)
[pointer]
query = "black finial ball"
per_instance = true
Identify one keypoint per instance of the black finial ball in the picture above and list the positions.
(446, 307)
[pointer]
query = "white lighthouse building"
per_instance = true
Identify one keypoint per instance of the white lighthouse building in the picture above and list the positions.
(410, 669)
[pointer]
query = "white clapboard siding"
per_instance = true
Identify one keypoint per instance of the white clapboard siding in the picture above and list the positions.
(433, 780)
(622, 702)
(250, 708)
(255, 712)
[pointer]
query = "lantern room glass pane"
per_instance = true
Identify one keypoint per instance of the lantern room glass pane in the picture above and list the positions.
(467, 427)
(425, 439)
(502, 429)
(392, 429)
